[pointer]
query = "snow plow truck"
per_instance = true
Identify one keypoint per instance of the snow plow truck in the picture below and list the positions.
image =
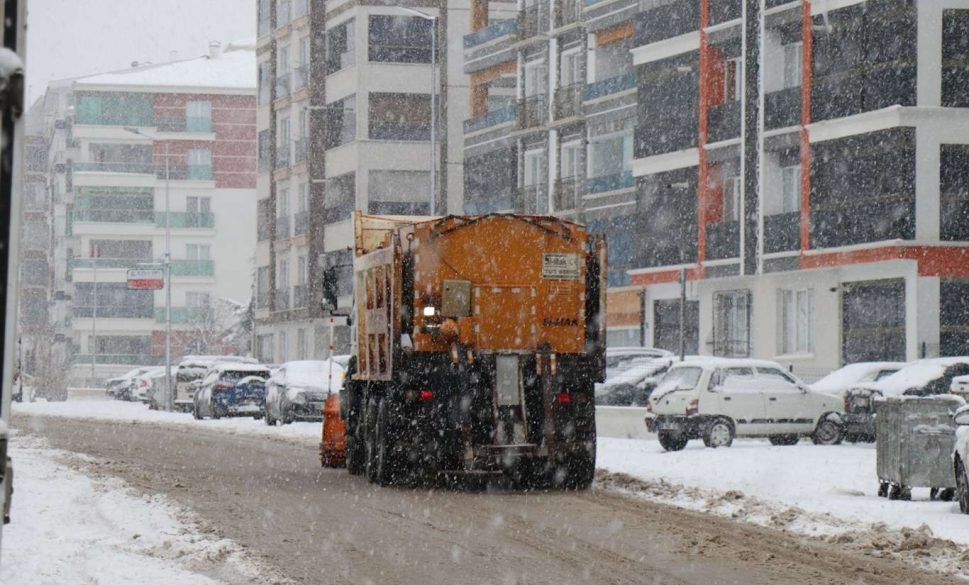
(478, 342)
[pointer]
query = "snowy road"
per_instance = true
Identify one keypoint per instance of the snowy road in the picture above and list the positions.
(324, 526)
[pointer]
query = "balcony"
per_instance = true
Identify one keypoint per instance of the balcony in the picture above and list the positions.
(782, 232)
(533, 199)
(281, 299)
(282, 227)
(667, 21)
(186, 315)
(402, 131)
(606, 87)
(723, 121)
(301, 296)
(184, 124)
(614, 182)
(282, 156)
(107, 311)
(102, 263)
(568, 12)
(114, 167)
(282, 86)
(723, 240)
(782, 108)
(568, 194)
(114, 215)
(299, 150)
(117, 359)
(193, 268)
(724, 11)
(300, 222)
(568, 101)
(179, 219)
(492, 32)
(533, 20)
(532, 111)
(492, 118)
(301, 77)
(185, 172)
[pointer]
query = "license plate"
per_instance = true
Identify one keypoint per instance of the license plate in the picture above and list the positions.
(667, 426)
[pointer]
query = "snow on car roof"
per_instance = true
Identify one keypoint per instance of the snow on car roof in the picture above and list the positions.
(313, 373)
(205, 361)
(239, 367)
(710, 362)
(852, 374)
(914, 375)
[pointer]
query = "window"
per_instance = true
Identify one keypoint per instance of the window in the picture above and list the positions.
(283, 139)
(197, 300)
(793, 55)
(199, 161)
(301, 270)
(262, 287)
(399, 192)
(264, 161)
(303, 130)
(114, 300)
(301, 344)
(790, 189)
(733, 83)
(400, 116)
(400, 39)
(198, 204)
(611, 154)
(198, 116)
(797, 321)
(732, 198)
(571, 158)
(114, 109)
(282, 274)
(339, 198)
(283, 347)
(570, 68)
(264, 346)
(731, 323)
(339, 47)
(115, 204)
(135, 249)
(534, 168)
(535, 73)
(282, 202)
(265, 83)
(614, 59)
(282, 60)
(303, 199)
(341, 122)
(198, 252)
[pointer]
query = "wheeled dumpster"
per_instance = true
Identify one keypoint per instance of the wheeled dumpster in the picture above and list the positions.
(914, 441)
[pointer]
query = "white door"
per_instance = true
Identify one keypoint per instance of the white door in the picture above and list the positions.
(788, 407)
(740, 399)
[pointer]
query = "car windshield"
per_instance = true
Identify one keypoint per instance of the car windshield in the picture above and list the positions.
(234, 376)
(681, 378)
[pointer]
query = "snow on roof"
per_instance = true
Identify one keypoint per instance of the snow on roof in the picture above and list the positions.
(239, 367)
(312, 373)
(914, 375)
(204, 361)
(234, 69)
(841, 379)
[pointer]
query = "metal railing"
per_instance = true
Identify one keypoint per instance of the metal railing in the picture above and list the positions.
(533, 199)
(614, 182)
(193, 268)
(114, 167)
(186, 219)
(300, 222)
(492, 118)
(182, 172)
(114, 215)
(491, 32)
(184, 124)
(118, 359)
(610, 86)
(281, 300)
(532, 111)
(533, 20)
(301, 296)
(567, 12)
(568, 193)
(282, 227)
(299, 150)
(282, 156)
(568, 101)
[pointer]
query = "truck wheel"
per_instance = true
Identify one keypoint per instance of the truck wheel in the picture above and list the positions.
(195, 411)
(962, 487)
(355, 455)
(581, 472)
(827, 432)
(383, 462)
(718, 434)
(370, 439)
(672, 441)
(783, 440)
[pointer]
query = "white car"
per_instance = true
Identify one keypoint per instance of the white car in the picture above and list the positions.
(297, 390)
(843, 379)
(630, 381)
(960, 457)
(717, 399)
(960, 387)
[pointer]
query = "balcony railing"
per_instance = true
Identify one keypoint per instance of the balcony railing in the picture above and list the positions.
(118, 359)
(282, 156)
(186, 315)
(179, 219)
(533, 20)
(301, 296)
(282, 227)
(115, 215)
(568, 194)
(782, 108)
(282, 299)
(300, 222)
(114, 167)
(724, 121)
(282, 86)
(108, 311)
(103, 263)
(184, 124)
(493, 31)
(533, 199)
(299, 149)
(614, 182)
(533, 111)
(300, 77)
(568, 101)
(610, 86)
(193, 268)
(185, 172)
(723, 240)
(567, 12)
(404, 131)
(782, 232)
(492, 118)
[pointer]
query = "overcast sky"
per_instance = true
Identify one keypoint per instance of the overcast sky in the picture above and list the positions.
(72, 38)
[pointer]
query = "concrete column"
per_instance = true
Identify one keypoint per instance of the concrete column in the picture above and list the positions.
(926, 326)
(927, 188)
(929, 72)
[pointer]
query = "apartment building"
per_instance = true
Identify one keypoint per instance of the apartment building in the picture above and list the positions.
(806, 165)
(551, 122)
(344, 121)
(134, 155)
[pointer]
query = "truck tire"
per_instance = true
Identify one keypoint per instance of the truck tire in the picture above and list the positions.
(827, 432)
(370, 439)
(355, 452)
(581, 472)
(672, 441)
(384, 472)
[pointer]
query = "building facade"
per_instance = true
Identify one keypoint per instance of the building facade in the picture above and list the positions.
(802, 165)
(137, 159)
(344, 121)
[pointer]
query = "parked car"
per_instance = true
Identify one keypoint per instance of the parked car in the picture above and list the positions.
(960, 387)
(194, 368)
(142, 385)
(297, 390)
(960, 458)
(843, 379)
(928, 377)
(120, 387)
(231, 389)
(615, 356)
(630, 382)
(717, 399)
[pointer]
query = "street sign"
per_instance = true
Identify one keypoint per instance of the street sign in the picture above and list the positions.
(146, 279)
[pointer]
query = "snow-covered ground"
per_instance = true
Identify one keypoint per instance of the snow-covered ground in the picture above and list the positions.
(73, 527)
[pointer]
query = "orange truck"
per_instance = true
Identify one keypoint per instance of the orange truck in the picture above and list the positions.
(478, 340)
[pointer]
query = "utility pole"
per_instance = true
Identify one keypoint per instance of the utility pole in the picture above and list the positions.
(94, 316)
(682, 314)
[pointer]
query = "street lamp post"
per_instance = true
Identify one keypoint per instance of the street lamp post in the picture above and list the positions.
(169, 395)
(434, 115)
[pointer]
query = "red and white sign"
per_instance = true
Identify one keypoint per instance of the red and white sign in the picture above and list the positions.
(150, 279)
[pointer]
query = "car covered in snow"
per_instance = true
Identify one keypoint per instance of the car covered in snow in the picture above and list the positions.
(120, 387)
(960, 387)
(297, 390)
(193, 368)
(629, 382)
(927, 377)
(718, 399)
(231, 389)
(142, 385)
(960, 457)
(843, 379)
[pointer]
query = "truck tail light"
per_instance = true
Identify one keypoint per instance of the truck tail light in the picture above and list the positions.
(425, 395)
(693, 407)
(222, 387)
(563, 398)
(552, 364)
